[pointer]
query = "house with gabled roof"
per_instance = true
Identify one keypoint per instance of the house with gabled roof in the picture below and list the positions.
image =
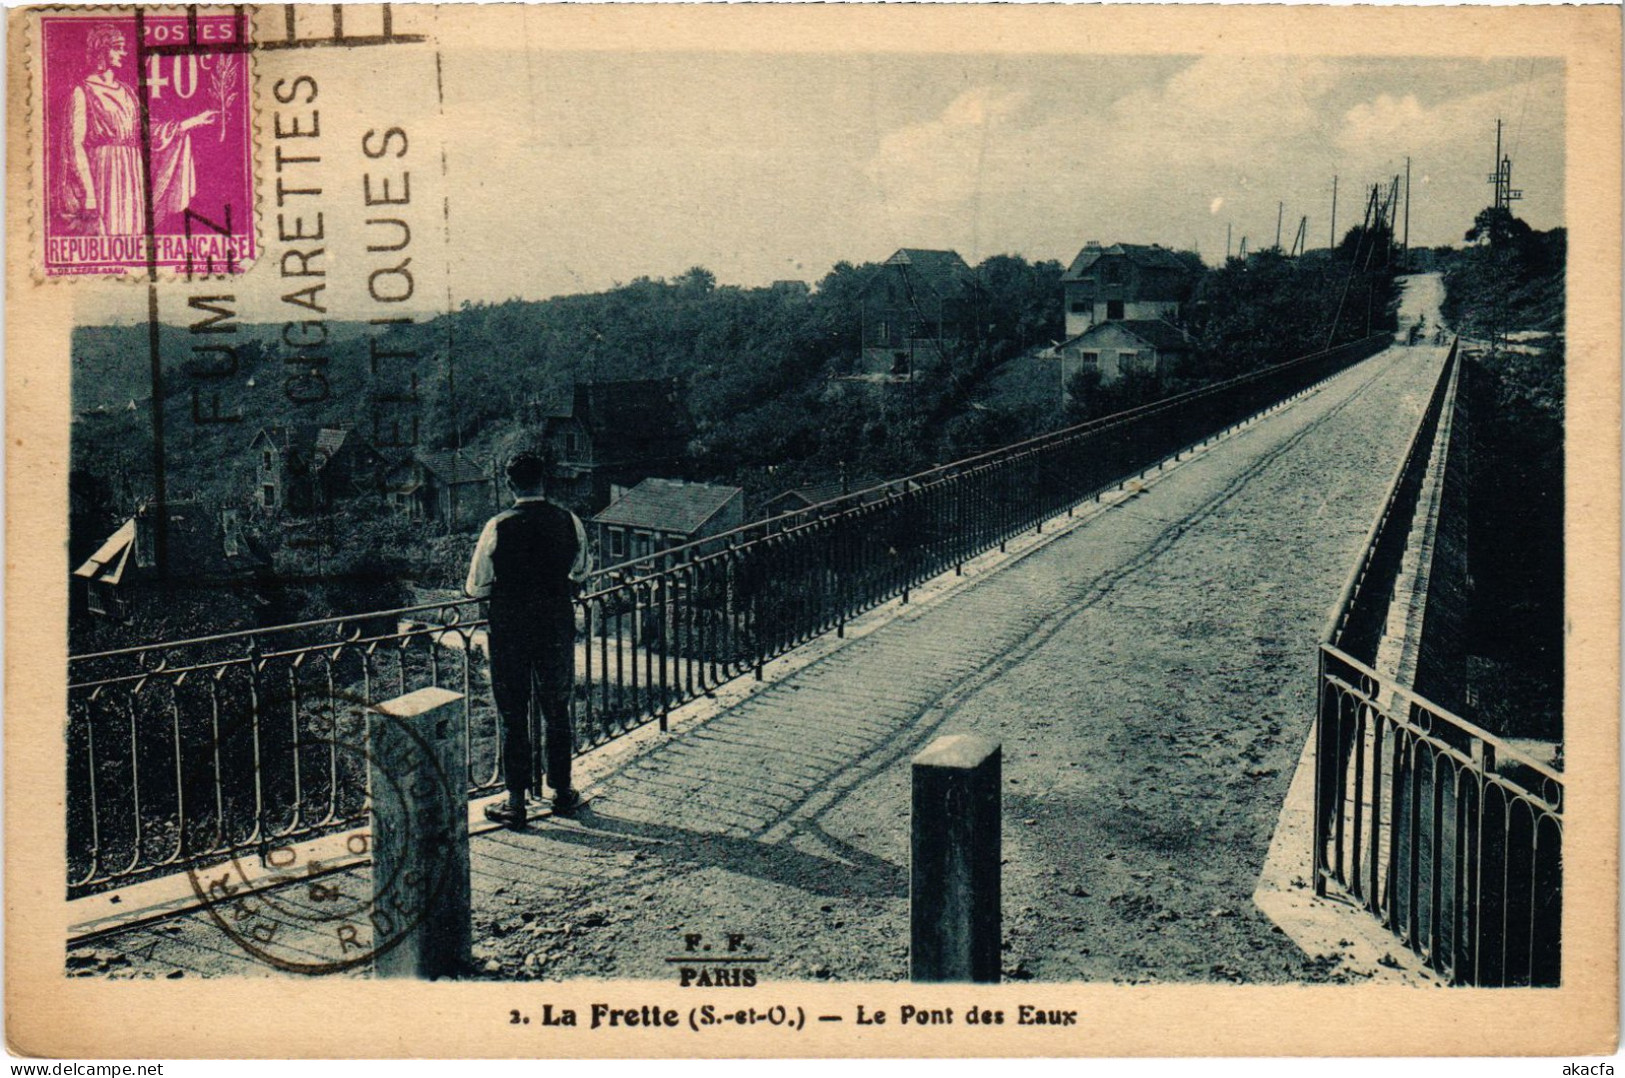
(799, 498)
(921, 304)
(446, 485)
(835, 495)
(1117, 348)
(1125, 281)
(308, 467)
(615, 433)
(659, 514)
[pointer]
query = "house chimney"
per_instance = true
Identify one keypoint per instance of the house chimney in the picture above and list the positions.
(1091, 243)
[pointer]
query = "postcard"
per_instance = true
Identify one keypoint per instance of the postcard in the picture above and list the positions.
(800, 530)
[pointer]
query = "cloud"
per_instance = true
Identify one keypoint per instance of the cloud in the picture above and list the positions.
(1382, 123)
(931, 172)
(1227, 105)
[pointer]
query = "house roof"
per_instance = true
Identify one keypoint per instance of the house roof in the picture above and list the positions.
(1150, 256)
(1162, 335)
(111, 557)
(307, 440)
(452, 467)
(668, 505)
(819, 493)
(816, 494)
(944, 272)
(331, 439)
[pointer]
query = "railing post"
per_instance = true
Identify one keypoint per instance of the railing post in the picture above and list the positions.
(1323, 781)
(421, 911)
(954, 914)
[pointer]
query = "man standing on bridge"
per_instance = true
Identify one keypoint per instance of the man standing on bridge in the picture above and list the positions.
(529, 563)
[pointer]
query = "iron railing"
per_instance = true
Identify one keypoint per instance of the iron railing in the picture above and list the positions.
(181, 752)
(1449, 835)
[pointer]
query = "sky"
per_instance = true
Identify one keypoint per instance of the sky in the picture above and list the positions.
(767, 167)
(573, 171)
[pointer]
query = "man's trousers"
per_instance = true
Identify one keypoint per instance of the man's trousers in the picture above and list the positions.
(533, 663)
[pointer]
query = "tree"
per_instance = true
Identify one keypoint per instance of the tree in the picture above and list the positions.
(1497, 226)
(1021, 300)
(697, 279)
(1268, 308)
(1513, 278)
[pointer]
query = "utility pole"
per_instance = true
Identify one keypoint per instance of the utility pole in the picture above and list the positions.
(1333, 242)
(1387, 204)
(1227, 242)
(1495, 177)
(1280, 208)
(1405, 262)
(1393, 217)
(1505, 196)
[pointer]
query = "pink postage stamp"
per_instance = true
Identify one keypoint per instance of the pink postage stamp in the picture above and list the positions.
(145, 128)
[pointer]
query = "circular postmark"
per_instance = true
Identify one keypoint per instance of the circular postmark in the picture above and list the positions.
(294, 900)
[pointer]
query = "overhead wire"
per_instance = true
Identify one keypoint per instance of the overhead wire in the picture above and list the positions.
(1529, 85)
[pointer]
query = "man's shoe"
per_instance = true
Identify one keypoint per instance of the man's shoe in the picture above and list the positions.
(566, 803)
(506, 814)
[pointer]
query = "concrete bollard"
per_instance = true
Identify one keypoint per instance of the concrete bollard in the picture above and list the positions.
(417, 755)
(954, 915)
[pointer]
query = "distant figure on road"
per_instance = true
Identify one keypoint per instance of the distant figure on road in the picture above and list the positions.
(529, 563)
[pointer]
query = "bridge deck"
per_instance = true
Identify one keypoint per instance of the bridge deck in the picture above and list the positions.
(1149, 671)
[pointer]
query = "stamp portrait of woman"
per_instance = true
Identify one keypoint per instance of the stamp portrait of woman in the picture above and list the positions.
(104, 186)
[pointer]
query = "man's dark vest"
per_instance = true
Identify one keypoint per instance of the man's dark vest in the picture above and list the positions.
(535, 548)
